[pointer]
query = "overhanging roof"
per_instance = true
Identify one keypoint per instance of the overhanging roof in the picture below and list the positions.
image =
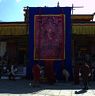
(78, 18)
(13, 28)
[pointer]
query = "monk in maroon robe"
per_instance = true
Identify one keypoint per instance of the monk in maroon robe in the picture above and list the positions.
(36, 73)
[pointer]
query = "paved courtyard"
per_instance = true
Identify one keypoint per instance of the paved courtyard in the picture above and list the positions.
(22, 88)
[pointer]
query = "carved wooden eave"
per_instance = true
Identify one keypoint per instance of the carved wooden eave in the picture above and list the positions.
(82, 18)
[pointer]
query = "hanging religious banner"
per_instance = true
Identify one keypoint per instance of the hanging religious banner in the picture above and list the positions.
(49, 37)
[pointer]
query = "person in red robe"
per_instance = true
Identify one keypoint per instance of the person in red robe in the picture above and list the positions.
(36, 74)
(50, 74)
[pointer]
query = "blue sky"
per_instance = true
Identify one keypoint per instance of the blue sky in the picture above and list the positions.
(12, 10)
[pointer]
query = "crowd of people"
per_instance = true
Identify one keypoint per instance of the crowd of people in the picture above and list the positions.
(46, 73)
(7, 68)
(39, 73)
(8, 71)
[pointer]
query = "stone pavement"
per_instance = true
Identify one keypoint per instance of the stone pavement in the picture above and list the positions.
(22, 88)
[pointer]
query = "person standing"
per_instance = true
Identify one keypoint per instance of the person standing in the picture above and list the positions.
(85, 71)
(49, 72)
(36, 74)
(11, 72)
(12, 69)
(66, 74)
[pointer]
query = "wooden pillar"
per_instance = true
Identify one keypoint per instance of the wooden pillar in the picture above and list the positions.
(76, 63)
(11, 51)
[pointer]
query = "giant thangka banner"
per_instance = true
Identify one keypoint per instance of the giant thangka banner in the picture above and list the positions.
(49, 37)
(50, 31)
